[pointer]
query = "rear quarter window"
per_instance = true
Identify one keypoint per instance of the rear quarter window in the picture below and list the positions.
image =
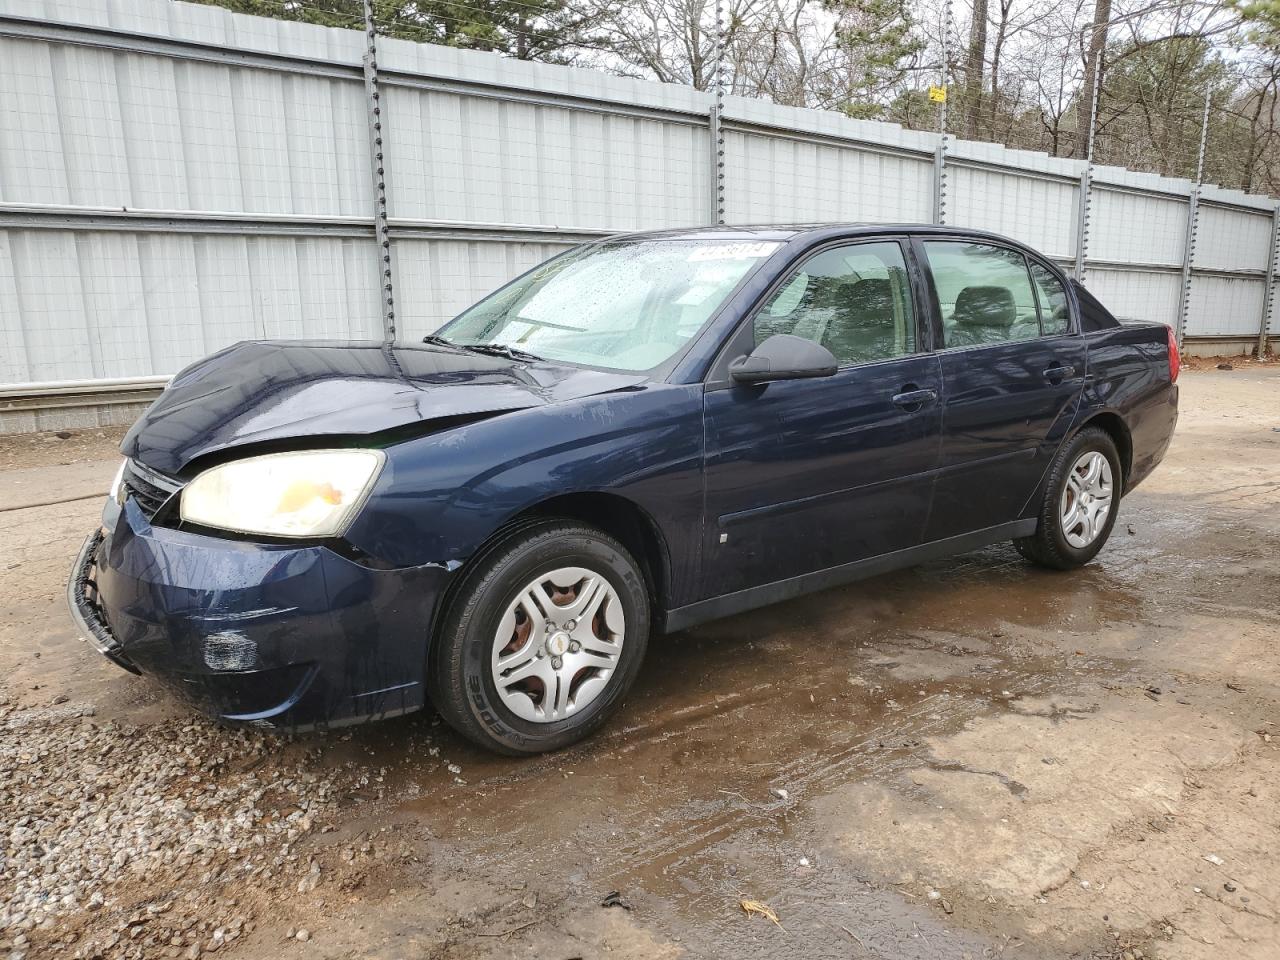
(1093, 315)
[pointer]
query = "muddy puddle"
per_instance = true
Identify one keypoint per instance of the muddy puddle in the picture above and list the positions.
(706, 789)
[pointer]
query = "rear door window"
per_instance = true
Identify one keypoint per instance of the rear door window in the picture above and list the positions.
(984, 292)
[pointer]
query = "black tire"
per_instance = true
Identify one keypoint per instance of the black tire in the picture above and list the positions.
(1048, 546)
(459, 671)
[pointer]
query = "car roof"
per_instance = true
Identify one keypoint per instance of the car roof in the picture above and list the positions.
(810, 231)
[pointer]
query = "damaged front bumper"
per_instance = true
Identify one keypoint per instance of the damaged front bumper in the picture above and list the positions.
(288, 636)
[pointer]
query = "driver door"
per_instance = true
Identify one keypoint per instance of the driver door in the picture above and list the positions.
(806, 475)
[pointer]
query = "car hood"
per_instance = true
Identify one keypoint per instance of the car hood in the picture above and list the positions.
(265, 391)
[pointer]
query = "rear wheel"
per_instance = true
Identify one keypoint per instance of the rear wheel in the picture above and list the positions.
(1081, 498)
(542, 640)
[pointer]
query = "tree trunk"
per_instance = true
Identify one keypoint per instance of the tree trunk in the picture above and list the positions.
(1092, 71)
(973, 68)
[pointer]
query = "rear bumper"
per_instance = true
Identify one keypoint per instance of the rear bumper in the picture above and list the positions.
(292, 637)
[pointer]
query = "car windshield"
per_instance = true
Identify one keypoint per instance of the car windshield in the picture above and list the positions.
(627, 305)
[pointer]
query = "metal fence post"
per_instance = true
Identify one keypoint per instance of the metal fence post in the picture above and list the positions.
(378, 170)
(1086, 181)
(1193, 224)
(716, 120)
(1269, 296)
(940, 154)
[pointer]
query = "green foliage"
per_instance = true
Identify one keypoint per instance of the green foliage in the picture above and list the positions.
(546, 30)
(1263, 16)
(876, 38)
(1152, 104)
(913, 109)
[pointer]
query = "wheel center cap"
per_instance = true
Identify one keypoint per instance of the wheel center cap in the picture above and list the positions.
(558, 644)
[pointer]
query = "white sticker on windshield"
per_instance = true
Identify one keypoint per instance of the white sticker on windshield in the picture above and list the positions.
(733, 251)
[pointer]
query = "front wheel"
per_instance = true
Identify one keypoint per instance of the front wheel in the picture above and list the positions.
(1081, 498)
(542, 640)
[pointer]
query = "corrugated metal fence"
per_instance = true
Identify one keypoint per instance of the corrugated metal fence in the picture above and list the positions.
(175, 177)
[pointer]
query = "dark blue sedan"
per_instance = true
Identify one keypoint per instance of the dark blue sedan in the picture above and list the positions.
(643, 433)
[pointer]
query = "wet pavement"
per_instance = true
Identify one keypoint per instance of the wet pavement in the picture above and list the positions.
(970, 758)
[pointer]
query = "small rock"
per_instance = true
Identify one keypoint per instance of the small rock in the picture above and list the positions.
(1213, 858)
(1225, 366)
(804, 861)
(303, 935)
(946, 907)
(614, 899)
(780, 793)
(1229, 887)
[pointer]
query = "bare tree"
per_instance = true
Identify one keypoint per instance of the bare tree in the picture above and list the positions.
(974, 64)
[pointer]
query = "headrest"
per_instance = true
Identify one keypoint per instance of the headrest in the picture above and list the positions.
(871, 294)
(985, 307)
(825, 293)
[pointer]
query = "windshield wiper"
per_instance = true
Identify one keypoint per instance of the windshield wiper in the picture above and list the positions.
(489, 349)
(500, 350)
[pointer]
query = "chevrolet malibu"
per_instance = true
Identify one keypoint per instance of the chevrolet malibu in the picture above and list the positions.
(639, 435)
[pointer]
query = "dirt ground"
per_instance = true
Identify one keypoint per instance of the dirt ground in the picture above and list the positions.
(973, 758)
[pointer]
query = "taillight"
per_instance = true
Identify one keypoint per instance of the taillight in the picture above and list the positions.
(1175, 360)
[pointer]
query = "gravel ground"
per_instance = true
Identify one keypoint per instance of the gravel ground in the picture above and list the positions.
(89, 807)
(969, 759)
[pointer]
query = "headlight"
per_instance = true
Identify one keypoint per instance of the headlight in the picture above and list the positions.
(117, 485)
(310, 493)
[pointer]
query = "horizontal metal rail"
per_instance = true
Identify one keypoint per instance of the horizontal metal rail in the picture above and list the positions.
(64, 217)
(49, 388)
(79, 394)
(995, 166)
(1221, 272)
(829, 139)
(127, 41)
(88, 400)
(1183, 199)
(110, 38)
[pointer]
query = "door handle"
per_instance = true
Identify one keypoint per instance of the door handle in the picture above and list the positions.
(914, 399)
(1059, 372)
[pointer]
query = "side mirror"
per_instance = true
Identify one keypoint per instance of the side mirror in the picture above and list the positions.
(784, 357)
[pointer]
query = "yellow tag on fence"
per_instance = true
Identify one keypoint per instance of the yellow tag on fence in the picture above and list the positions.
(937, 94)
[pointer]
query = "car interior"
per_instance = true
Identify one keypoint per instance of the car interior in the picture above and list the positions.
(855, 301)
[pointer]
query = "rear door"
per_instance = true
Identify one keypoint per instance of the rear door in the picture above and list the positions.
(803, 475)
(1013, 367)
